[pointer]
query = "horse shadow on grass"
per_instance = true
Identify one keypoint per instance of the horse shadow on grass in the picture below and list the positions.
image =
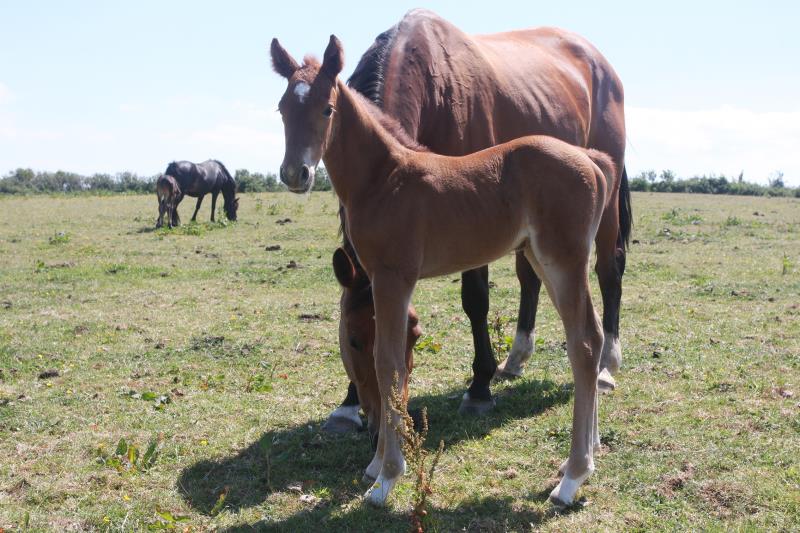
(304, 459)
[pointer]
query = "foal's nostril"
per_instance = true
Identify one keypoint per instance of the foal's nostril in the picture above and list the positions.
(305, 173)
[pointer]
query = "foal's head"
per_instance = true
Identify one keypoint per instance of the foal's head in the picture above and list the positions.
(306, 107)
(357, 334)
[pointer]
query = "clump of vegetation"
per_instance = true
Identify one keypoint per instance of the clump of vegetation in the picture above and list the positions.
(127, 458)
(667, 181)
(60, 237)
(502, 342)
(412, 443)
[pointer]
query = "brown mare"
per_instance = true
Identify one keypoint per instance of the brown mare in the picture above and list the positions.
(413, 214)
(457, 94)
(168, 193)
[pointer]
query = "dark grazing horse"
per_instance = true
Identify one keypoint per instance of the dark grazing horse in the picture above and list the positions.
(199, 179)
(456, 94)
(168, 192)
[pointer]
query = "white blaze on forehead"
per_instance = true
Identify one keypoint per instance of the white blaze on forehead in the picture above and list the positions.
(301, 90)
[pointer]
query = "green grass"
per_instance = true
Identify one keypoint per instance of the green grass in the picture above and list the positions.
(192, 338)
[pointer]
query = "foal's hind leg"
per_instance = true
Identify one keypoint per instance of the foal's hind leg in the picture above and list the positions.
(522, 348)
(609, 267)
(568, 286)
(213, 204)
(475, 301)
(197, 207)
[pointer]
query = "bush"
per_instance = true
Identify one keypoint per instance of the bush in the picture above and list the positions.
(649, 181)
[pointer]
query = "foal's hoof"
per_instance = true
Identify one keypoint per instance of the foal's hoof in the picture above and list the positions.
(606, 382)
(472, 407)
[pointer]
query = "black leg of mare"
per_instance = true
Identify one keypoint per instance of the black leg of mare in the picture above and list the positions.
(197, 207)
(475, 301)
(352, 396)
(213, 204)
(529, 287)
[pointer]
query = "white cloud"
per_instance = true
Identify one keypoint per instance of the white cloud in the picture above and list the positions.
(5, 94)
(725, 140)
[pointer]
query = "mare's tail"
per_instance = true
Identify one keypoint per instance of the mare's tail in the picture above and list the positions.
(625, 211)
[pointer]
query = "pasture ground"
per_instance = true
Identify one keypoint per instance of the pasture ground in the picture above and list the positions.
(224, 355)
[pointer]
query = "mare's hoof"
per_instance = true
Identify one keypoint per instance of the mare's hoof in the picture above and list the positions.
(605, 382)
(472, 407)
(338, 424)
(506, 372)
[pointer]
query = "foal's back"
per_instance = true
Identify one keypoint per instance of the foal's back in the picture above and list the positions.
(468, 211)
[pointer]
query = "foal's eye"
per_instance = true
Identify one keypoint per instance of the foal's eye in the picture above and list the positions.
(354, 343)
(328, 111)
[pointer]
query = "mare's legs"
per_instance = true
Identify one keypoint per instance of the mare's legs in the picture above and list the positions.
(197, 207)
(568, 286)
(213, 204)
(392, 295)
(522, 349)
(609, 268)
(475, 302)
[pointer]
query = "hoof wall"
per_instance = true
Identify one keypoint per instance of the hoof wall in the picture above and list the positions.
(605, 382)
(472, 407)
(504, 373)
(337, 424)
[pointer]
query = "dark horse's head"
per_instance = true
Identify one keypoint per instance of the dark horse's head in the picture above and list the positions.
(231, 202)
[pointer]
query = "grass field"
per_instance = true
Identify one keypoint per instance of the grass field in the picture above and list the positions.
(224, 356)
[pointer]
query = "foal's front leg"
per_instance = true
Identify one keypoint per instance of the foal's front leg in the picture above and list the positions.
(392, 293)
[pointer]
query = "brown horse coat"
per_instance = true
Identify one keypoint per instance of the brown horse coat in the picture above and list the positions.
(458, 93)
(414, 214)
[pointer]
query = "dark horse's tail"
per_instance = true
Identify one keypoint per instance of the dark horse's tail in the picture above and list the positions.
(625, 211)
(229, 192)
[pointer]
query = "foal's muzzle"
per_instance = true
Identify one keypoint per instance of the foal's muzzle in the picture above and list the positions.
(297, 179)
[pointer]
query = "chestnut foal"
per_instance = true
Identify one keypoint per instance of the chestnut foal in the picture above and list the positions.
(413, 215)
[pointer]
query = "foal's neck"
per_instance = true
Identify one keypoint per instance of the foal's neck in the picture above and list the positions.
(360, 152)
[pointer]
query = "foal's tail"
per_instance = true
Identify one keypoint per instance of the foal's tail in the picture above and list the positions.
(606, 164)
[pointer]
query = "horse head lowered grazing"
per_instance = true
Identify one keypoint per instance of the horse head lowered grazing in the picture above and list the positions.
(357, 338)
(412, 215)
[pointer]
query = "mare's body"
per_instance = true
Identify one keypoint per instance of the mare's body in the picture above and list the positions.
(209, 177)
(457, 94)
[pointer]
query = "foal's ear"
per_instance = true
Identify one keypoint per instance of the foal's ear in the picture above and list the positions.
(282, 62)
(343, 268)
(333, 60)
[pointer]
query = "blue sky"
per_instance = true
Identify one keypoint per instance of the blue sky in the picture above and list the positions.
(110, 86)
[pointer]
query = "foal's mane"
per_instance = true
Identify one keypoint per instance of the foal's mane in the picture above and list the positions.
(390, 124)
